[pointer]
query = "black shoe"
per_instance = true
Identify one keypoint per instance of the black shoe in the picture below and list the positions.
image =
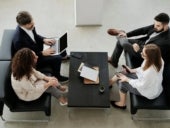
(110, 86)
(116, 106)
(113, 64)
(114, 32)
(67, 57)
(62, 79)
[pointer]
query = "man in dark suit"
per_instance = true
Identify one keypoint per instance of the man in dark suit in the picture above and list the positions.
(158, 33)
(26, 36)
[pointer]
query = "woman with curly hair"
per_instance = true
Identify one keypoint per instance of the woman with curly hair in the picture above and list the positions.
(28, 83)
(145, 80)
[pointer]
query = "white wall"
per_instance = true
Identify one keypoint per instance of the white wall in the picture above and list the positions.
(88, 12)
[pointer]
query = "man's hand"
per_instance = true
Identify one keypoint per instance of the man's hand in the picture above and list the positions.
(48, 52)
(122, 34)
(49, 41)
(136, 47)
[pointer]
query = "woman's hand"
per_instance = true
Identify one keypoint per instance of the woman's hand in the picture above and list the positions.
(52, 81)
(127, 69)
(122, 77)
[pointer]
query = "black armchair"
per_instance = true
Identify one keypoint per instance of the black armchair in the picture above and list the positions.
(7, 94)
(160, 103)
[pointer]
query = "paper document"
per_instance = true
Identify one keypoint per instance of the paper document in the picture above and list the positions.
(89, 73)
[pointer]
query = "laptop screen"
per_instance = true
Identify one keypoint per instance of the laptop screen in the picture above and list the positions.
(63, 43)
(59, 46)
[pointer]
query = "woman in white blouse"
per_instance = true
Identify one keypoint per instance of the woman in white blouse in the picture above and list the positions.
(28, 83)
(145, 80)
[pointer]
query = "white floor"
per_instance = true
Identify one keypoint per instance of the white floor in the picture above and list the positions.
(54, 17)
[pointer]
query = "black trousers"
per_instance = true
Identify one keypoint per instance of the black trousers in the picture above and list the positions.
(126, 44)
(52, 62)
(125, 87)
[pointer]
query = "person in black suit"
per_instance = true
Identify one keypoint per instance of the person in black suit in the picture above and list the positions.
(26, 36)
(157, 33)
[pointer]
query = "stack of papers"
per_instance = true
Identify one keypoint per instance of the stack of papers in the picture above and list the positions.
(88, 72)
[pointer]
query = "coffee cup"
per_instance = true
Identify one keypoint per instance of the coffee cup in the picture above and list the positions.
(101, 89)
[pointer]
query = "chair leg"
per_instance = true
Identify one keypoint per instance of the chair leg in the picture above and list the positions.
(134, 117)
(28, 121)
(2, 118)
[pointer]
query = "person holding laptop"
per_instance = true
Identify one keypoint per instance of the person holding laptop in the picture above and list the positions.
(26, 36)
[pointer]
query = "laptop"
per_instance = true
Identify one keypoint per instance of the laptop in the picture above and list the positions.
(60, 45)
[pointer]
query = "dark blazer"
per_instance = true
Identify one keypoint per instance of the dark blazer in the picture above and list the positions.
(21, 39)
(162, 40)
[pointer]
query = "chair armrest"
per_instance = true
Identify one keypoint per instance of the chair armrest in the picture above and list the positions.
(6, 44)
(4, 66)
(1, 107)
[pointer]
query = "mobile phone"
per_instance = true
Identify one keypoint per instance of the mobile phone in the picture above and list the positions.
(78, 56)
(127, 70)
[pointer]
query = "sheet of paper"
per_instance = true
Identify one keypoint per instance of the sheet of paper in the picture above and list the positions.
(89, 73)
(80, 67)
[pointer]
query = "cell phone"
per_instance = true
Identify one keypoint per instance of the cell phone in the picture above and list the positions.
(127, 70)
(78, 56)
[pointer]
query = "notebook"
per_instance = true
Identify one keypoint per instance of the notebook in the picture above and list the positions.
(60, 45)
(88, 72)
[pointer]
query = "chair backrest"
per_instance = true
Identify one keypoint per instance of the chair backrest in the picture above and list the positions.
(6, 44)
(166, 81)
(10, 96)
(7, 94)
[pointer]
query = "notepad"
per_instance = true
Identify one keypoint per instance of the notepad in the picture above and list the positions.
(89, 73)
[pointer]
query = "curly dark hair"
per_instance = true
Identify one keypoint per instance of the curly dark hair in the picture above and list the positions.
(23, 63)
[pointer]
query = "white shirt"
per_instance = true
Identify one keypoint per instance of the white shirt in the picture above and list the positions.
(29, 32)
(149, 82)
(31, 89)
(154, 34)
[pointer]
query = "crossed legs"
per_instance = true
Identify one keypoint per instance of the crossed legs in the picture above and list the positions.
(122, 44)
(124, 87)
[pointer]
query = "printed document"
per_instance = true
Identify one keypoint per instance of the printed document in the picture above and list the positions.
(89, 73)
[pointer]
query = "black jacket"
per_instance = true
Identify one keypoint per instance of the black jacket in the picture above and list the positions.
(162, 40)
(21, 39)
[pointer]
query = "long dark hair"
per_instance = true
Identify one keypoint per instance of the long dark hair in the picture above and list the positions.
(23, 63)
(153, 55)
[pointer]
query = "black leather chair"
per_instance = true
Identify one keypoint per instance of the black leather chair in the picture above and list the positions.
(7, 94)
(160, 103)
